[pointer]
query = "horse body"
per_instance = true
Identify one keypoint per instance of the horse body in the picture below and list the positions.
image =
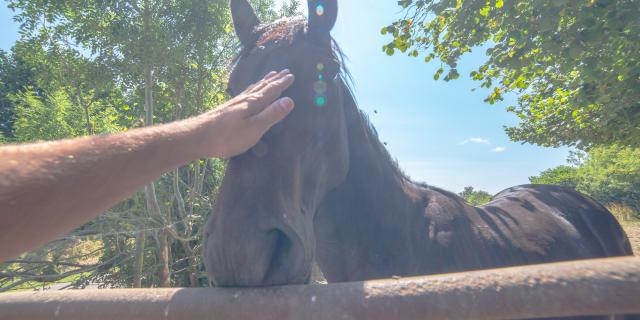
(379, 224)
(322, 186)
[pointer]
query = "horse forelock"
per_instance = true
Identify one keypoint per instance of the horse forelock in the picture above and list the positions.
(283, 31)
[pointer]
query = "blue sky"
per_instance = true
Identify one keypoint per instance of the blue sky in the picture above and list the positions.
(441, 133)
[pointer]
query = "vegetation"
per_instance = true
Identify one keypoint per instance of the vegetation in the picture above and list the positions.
(475, 197)
(574, 64)
(611, 175)
(95, 67)
(565, 176)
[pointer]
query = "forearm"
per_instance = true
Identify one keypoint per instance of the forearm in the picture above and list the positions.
(48, 189)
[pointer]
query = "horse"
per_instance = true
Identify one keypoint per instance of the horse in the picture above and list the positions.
(321, 186)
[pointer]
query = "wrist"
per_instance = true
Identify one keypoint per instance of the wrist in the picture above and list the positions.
(203, 141)
(181, 141)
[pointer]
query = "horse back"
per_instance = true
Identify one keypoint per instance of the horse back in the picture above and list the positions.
(563, 224)
(527, 224)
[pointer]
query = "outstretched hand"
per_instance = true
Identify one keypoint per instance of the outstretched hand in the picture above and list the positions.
(47, 189)
(239, 124)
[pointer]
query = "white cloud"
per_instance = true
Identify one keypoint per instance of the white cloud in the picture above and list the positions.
(498, 149)
(477, 140)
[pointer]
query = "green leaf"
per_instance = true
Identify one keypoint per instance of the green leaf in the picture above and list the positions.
(485, 11)
(438, 73)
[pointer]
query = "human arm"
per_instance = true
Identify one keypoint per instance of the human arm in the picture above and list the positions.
(47, 189)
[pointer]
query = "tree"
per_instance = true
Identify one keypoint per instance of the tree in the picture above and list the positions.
(610, 174)
(475, 197)
(290, 9)
(574, 64)
(147, 61)
(15, 75)
(52, 117)
(565, 176)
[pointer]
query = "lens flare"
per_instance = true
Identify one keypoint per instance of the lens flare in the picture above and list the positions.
(320, 87)
(320, 10)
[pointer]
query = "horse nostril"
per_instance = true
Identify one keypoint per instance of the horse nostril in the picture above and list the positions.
(279, 264)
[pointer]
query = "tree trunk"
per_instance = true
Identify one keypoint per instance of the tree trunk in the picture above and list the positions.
(165, 275)
(153, 207)
(185, 233)
(193, 266)
(85, 108)
(139, 263)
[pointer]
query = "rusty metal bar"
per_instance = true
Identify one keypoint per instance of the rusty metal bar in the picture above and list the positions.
(594, 287)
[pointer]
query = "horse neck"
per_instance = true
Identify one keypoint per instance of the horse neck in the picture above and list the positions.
(372, 171)
(368, 220)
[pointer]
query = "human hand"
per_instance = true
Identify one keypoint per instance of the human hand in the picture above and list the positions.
(240, 123)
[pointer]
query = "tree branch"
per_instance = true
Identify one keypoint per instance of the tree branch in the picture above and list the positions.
(56, 277)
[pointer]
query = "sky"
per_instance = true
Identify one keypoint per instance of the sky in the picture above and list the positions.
(440, 132)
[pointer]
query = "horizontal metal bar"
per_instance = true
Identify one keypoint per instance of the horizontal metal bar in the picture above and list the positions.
(589, 287)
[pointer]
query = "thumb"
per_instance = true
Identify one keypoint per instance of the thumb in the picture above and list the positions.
(273, 114)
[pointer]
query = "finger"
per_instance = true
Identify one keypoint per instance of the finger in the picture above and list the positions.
(270, 75)
(270, 78)
(270, 93)
(273, 114)
(275, 88)
(252, 86)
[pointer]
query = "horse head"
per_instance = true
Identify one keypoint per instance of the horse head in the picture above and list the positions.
(261, 232)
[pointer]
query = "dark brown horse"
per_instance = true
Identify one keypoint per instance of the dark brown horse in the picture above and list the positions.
(321, 186)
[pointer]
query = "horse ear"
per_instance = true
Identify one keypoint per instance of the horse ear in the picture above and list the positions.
(245, 21)
(322, 17)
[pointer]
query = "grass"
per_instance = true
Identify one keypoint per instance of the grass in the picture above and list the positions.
(84, 252)
(37, 285)
(632, 228)
(630, 221)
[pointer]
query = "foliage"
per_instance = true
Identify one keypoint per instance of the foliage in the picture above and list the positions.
(290, 9)
(53, 117)
(92, 67)
(574, 64)
(475, 197)
(611, 175)
(565, 176)
(15, 75)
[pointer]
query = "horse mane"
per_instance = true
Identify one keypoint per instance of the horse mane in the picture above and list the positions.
(362, 120)
(354, 113)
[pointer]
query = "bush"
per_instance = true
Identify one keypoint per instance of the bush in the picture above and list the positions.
(565, 176)
(610, 174)
(475, 197)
